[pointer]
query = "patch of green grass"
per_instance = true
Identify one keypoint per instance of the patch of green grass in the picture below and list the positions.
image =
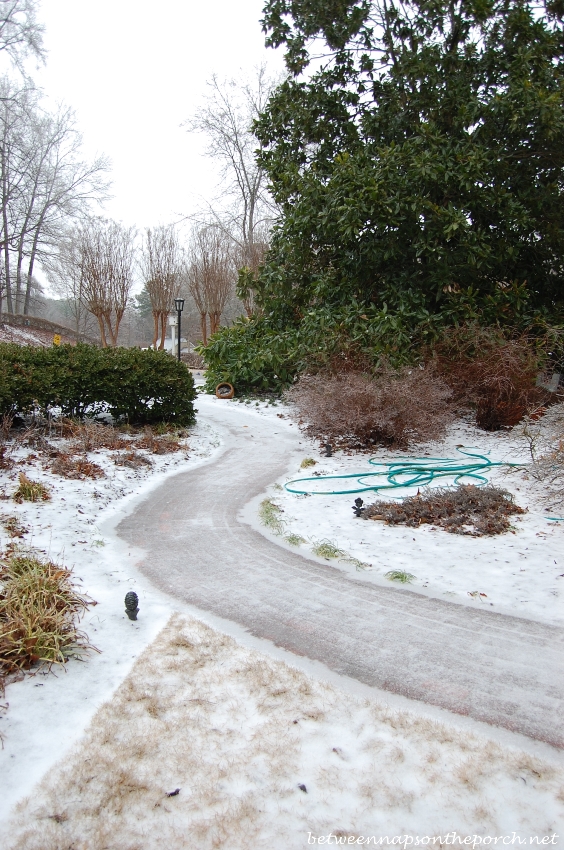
(278, 487)
(31, 491)
(295, 539)
(360, 565)
(307, 461)
(269, 514)
(400, 575)
(326, 549)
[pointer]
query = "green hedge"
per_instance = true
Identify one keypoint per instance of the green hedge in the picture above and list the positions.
(129, 384)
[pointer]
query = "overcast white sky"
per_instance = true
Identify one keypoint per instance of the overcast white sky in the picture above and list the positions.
(134, 70)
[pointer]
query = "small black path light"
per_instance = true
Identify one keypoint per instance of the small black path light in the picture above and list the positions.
(179, 304)
(357, 507)
(131, 605)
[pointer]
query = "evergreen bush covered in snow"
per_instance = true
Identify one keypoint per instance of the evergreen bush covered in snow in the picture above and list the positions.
(129, 384)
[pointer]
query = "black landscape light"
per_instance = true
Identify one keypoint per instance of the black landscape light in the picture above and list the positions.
(328, 450)
(179, 305)
(357, 507)
(131, 605)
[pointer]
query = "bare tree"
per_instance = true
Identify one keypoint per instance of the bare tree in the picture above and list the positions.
(210, 274)
(45, 184)
(66, 276)
(60, 187)
(162, 270)
(226, 118)
(20, 33)
(248, 259)
(16, 107)
(196, 286)
(106, 255)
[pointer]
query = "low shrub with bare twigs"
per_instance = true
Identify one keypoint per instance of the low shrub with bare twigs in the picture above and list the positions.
(65, 444)
(39, 609)
(158, 445)
(393, 408)
(193, 360)
(131, 459)
(544, 435)
(466, 509)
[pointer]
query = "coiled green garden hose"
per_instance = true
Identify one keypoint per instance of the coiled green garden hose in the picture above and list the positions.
(406, 472)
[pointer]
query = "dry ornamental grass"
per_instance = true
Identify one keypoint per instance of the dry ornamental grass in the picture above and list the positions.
(39, 609)
(466, 509)
(31, 491)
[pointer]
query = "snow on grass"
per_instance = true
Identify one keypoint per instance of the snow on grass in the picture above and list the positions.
(520, 572)
(43, 714)
(235, 731)
(210, 744)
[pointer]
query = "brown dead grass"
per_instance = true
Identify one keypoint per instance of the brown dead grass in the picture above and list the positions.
(238, 733)
(78, 468)
(467, 509)
(89, 436)
(13, 526)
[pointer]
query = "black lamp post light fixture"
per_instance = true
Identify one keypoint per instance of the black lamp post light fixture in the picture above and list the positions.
(179, 305)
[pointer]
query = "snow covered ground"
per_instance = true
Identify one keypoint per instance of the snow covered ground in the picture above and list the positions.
(29, 336)
(210, 744)
(45, 713)
(521, 572)
(230, 712)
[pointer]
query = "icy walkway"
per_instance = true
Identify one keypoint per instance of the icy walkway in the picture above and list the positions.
(196, 546)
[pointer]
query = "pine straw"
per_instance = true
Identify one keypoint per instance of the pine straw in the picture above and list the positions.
(238, 733)
(39, 609)
(466, 509)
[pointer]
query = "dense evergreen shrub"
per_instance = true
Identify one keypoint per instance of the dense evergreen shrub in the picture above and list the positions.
(129, 384)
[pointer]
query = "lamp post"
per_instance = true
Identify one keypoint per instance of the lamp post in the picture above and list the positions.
(179, 304)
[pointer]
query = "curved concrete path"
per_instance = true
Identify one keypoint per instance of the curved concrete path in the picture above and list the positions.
(499, 669)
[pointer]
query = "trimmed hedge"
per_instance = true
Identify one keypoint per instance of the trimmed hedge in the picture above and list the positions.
(129, 384)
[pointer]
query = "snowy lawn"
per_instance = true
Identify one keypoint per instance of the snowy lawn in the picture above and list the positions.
(210, 744)
(234, 730)
(520, 572)
(43, 714)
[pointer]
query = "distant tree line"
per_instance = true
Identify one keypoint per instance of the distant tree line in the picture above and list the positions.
(45, 182)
